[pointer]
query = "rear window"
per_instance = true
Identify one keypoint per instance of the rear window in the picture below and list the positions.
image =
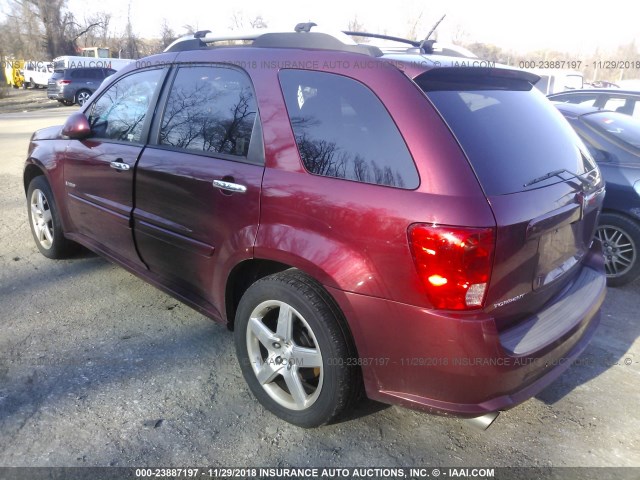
(616, 126)
(509, 131)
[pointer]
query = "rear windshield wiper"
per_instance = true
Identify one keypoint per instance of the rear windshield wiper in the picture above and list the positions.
(557, 173)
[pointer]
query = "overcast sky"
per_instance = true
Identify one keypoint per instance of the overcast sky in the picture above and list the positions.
(578, 27)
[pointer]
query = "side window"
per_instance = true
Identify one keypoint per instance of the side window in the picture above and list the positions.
(209, 109)
(636, 109)
(342, 130)
(588, 100)
(120, 112)
(616, 104)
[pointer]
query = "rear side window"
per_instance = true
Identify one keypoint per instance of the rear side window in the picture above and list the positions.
(509, 131)
(209, 109)
(342, 130)
(588, 100)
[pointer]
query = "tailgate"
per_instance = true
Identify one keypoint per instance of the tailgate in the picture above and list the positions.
(544, 188)
(542, 237)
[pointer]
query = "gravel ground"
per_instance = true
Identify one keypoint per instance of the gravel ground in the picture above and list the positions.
(26, 100)
(98, 368)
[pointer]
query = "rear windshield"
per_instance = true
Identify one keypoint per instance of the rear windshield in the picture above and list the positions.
(616, 126)
(509, 131)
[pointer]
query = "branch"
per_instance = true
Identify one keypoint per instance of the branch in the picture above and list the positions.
(93, 25)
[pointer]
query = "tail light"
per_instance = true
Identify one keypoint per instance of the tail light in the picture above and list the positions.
(64, 82)
(454, 264)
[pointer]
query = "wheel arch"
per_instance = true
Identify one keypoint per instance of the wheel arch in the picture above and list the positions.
(241, 277)
(247, 272)
(31, 171)
(623, 213)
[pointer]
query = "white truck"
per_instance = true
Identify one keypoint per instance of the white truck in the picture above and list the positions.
(69, 61)
(36, 73)
(91, 57)
(556, 81)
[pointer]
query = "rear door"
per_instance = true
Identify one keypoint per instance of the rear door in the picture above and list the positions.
(198, 182)
(543, 186)
(99, 171)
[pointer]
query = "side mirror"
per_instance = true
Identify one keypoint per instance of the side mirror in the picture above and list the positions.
(77, 126)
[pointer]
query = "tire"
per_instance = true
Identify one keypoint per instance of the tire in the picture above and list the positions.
(44, 220)
(66, 103)
(82, 96)
(620, 237)
(305, 396)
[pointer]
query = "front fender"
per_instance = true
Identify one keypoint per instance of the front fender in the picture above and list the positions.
(46, 158)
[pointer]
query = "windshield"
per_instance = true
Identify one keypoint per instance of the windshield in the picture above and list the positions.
(617, 126)
(509, 131)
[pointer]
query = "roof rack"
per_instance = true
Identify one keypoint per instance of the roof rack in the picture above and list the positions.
(424, 46)
(301, 37)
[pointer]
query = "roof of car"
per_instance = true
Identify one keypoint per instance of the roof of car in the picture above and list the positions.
(577, 110)
(416, 57)
(608, 91)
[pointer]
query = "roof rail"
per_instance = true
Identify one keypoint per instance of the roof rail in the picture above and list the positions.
(413, 43)
(425, 46)
(301, 37)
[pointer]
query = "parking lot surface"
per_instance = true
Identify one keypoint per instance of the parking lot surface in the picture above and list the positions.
(98, 368)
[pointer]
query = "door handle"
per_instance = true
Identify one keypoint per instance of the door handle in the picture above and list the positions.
(229, 186)
(119, 165)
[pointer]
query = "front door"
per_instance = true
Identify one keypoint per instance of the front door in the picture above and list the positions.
(99, 171)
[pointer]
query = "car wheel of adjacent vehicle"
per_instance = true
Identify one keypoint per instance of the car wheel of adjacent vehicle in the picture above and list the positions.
(294, 349)
(66, 103)
(82, 96)
(45, 221)
(620, 237)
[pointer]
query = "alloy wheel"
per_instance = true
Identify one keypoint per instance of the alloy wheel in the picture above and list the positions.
(284, 355)
(619, 249)
(41, 218)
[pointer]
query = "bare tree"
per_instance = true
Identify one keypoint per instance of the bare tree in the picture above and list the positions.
(130, 39)
(190, 29)
(412, 33)
(258, 22)
(37, 28)
(167, 35)
(98, 33)
(460, 35)
(239, 21)
(355, 25)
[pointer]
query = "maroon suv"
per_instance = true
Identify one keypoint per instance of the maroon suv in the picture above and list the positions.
(361, 219)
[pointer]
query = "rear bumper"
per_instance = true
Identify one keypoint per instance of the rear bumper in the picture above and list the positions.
(460, 365)
(55, 95)
(59, 94)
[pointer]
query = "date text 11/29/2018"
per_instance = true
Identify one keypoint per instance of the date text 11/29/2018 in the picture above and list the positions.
(577, 64)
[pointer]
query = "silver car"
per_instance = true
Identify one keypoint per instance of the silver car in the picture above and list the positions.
(75, 85)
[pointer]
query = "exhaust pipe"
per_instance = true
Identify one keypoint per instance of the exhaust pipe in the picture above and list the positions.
(483, 422)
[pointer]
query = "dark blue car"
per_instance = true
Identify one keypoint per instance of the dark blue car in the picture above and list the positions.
(614, 141)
